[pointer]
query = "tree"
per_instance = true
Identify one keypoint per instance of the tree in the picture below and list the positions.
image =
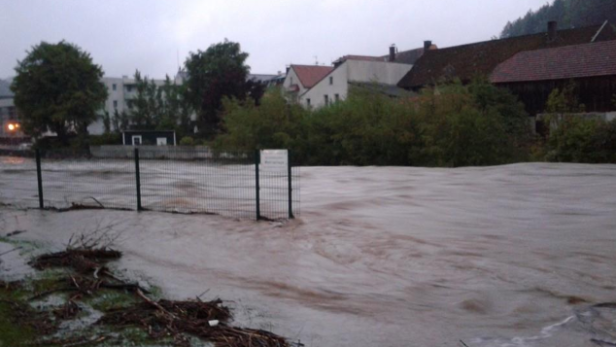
(142, 109)
(219, 72)
(568, 13)
(58, 87)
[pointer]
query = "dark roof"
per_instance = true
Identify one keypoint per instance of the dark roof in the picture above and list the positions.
(410, 56)
(309, 75)
(588, 60)
(5, 89)
(481, 58)
(385, 89)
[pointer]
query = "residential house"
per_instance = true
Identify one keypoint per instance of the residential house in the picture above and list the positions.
(332, 84)
(533, 75)
(353, 71)
(480, 59)
(300, 78)
(120, 91)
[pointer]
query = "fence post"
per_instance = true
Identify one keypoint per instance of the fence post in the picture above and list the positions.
(138, 179)
(289, 174)
(39, 178)
(258, 188)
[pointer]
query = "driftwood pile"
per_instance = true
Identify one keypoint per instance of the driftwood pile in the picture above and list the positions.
(208, 321)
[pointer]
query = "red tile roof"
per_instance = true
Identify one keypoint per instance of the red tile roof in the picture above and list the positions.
(481, 58)
(588, 60)
(309, 75)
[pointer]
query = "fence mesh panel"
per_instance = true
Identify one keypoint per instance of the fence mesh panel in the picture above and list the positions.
(200, 182)
(172, 179)
(93, 182)
(18, 186)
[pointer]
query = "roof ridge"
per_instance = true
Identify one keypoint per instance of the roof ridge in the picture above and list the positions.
(598, 26)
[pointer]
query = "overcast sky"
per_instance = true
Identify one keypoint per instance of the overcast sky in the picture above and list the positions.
(124, 35)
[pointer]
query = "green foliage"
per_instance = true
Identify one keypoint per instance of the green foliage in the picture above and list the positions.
(187, 141)
(58, 88)
(450, 125)
(106, 139)
(564, 101)
(156, 107)
(568, 13)
(218, 73)
(582, 140)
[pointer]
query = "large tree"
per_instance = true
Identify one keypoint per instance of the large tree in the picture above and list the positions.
(58, 88)
(219, 72)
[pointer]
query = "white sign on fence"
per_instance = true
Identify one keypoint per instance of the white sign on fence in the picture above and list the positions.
(274, 159)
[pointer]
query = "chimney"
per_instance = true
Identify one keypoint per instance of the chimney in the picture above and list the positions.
(392, 53)
(288, 68)
(427, 45)
(552, 29)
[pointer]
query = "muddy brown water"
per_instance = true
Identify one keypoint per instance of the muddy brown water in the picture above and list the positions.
(513, 255)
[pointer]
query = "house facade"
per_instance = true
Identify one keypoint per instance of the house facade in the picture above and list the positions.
(335, 86)
(120, 91)
(300, 78)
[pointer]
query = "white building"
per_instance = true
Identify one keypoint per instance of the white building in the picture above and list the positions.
(300, 78)
(335, 85)
(121, 90)
(318, 86)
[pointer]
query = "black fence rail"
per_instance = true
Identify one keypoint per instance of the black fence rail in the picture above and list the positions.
(237, 184)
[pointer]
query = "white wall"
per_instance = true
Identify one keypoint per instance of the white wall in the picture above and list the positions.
(125, 90)
(375, 71)
(353, 71)
(291, 80)
(339, 86)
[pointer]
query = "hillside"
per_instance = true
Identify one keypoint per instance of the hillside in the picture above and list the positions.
(568, 14)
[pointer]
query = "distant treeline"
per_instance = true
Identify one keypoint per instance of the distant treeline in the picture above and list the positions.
(568, 14)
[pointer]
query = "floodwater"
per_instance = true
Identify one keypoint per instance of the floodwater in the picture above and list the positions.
(515, 255)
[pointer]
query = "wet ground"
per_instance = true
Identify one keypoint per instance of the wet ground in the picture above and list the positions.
(502, 256)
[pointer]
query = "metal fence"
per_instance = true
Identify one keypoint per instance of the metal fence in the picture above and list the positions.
(259, 184)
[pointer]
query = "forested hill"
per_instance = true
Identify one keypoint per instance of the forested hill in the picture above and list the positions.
(568, 14)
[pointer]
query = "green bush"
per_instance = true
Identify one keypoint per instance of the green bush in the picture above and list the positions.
(105, 139)
(582, 140)
(187, 141)
(449, 125)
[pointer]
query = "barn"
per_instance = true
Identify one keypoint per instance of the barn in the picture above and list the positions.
(533, 75)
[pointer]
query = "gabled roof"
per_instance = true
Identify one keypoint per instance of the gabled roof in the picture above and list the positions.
(481, 58)
(309, 75)
(579, 61)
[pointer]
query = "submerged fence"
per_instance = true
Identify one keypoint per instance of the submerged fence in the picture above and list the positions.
(260, 184)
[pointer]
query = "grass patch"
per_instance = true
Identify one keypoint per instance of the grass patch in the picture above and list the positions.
(107, 299)
(11, 333)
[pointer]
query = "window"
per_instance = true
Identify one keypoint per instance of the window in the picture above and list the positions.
(114, 87)
(326, 98)
(115, 103)
(129, 88)
(331, 80)
(136, 140)
(291, 80)
(337, 97)
(307, 102)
